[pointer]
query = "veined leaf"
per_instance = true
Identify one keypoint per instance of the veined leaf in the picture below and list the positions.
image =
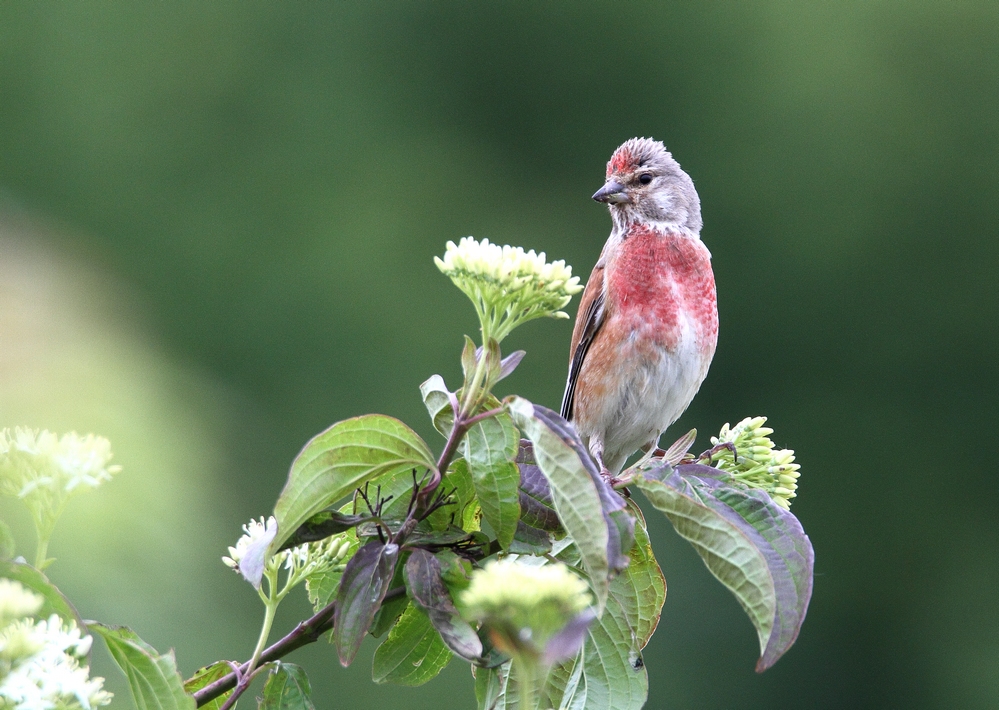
(751, 545)
(490, 448)
(575, 489)
(152, 678)
(530, 540)
(206, 676)
(362, 589)
(426, 588)
(412, 654)
(610, 668)
(440, 403)
(641, 588)
(37, 582)
(537, 508)
(613, 672)
(490, 687)
(287, 688)
(322, 587)
(337, 461)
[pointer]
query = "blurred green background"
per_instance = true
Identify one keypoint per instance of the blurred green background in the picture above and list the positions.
(216, 230)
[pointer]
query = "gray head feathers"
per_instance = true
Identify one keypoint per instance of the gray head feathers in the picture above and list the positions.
(658, 189)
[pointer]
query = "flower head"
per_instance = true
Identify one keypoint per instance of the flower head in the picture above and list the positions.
(44, 470)
(299, 562)
(507, 285)
(40, 667)
(16, 602)
(756, 463)
(523, 605)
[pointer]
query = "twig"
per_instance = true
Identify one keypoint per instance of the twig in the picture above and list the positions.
(306, 632)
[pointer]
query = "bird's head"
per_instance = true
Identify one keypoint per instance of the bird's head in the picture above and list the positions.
(645, 184)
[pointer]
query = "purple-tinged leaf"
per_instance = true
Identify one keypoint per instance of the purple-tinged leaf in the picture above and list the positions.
(536, 506)
(620, 523)
(362, 589)
(675, 453)
(575, 489)
(510, 362)
(427, 590)
(751, 545)
(567, 642)
(390, 611)
(321, 526)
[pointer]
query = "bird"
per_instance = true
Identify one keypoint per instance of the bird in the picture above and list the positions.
(647, 324)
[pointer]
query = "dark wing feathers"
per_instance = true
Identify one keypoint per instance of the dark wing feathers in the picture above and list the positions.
(588, 321)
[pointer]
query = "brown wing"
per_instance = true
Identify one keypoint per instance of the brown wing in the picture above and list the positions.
(589, 318)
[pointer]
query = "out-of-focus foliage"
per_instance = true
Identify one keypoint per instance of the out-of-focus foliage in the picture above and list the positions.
(261, 187)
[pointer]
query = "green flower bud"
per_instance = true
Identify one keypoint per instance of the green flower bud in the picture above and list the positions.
(757, 464)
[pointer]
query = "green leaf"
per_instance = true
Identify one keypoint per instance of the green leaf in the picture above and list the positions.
(334, 463)
(574, 493)
(641, 588)
(490, 448)
(152, 678)
(610, 668)
(206, 676)
(490, 687)
(608, 672)
(438, 400)
(412, 654)
(751, 545)
(530, 541)
(55, 602)
(323, 586)
(468, 511)
(287, 688)
(468, 360)
(362, 589)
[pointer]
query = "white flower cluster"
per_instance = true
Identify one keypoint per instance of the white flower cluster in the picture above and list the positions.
(507, 285)
(44, 470)
(40, 661)
(299, 562)
(757, 463)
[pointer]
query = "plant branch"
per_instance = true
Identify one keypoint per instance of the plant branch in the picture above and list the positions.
(306, 632)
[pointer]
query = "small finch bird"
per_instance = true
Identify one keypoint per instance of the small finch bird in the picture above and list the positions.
(647, 323)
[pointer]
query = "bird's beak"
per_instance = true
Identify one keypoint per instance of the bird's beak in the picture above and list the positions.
(612, 192)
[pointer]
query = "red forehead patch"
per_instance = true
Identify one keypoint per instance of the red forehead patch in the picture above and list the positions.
(620, 162)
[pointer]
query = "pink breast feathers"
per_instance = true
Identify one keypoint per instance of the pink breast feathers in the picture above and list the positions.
(660, 279)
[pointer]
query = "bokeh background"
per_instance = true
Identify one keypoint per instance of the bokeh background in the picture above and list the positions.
(216, 230)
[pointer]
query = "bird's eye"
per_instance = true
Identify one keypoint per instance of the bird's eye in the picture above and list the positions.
(645, 178)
